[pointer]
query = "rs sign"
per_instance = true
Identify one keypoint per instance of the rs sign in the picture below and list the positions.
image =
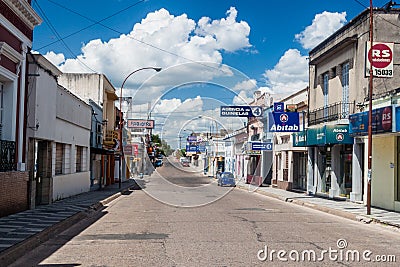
(380, 57)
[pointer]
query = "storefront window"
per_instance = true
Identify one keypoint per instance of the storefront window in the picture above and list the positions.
(325, 169)
(345, 178)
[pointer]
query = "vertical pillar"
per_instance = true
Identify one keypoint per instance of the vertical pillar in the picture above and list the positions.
(356, 169)
(310, 170)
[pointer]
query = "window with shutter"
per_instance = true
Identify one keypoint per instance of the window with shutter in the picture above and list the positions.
(59, 158)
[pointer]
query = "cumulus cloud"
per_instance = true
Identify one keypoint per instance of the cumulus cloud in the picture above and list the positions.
(56, 59)
(160, 39)
(228, 34)
(242, 98)
(323, 25)
(290, 74)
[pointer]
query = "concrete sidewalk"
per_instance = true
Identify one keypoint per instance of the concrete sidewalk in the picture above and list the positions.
(341, 208)
(21, 232)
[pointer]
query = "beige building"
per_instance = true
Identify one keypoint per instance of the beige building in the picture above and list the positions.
(290, 159)
(97, 88)
(336, 134)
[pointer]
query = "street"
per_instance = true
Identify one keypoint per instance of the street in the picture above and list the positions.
(187, 220)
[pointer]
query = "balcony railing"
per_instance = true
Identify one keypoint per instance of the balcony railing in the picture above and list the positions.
(7, 156)
(332, 112)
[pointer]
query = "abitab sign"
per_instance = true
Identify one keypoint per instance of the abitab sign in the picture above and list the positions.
(283, 122)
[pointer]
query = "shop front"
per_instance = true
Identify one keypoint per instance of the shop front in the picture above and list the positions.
(329, 159)
(385, 189)
(253, 165)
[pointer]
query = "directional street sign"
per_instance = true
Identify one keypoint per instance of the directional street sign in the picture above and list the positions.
(241, 111)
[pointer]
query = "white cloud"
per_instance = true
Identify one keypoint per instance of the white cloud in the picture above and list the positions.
(228, 34)
(178, 35)
(323, 25)
(247, 85)
(290, 74)
(56, 59)
(242, 98)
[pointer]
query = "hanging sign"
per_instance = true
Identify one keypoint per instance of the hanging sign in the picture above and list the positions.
(380, 56)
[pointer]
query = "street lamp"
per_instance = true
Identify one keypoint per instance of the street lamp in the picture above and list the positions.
(121, 123)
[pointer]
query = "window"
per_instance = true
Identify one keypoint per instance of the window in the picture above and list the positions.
(78, 162)
(326, 92)
(59, 158)
(345, 89)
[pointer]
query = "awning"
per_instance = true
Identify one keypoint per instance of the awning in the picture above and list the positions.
(101, 151)
(323, 135)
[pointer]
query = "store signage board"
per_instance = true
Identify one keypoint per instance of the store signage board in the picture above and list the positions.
(381, 58)
(381, 122)
(143, 124)
(283, 122)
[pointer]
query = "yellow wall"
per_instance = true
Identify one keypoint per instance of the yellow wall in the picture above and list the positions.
(383, 176)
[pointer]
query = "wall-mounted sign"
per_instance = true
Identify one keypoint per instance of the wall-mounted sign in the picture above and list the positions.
(328, 135)
(279, 107)
(283, 122)
(291, 108)
(381, 121)
(261, 146)
(240, 111)
(381, 59)
(147, 124)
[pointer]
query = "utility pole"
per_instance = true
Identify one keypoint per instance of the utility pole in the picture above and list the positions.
(371, 81)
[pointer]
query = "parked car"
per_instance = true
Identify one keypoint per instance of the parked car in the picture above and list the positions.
(185, 162)
(158, 163)
(226, 178)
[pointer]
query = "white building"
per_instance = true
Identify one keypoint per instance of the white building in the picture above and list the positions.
(58, 133)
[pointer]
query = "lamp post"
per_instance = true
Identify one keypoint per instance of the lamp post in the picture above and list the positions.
(121, 149)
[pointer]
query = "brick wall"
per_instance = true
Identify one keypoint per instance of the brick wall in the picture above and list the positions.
(13, 192)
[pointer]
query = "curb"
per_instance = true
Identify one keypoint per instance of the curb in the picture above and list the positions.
(336, 212)
(13, 253)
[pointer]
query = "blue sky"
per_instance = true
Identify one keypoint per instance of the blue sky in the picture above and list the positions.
(212, 52)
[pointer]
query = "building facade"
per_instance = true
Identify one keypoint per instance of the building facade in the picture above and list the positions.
(339, 86)
(289, 159)
(97, 88)
(17, 21)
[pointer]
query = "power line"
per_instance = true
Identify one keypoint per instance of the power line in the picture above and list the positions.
(91, 25)
(53, 29)
(129, 36)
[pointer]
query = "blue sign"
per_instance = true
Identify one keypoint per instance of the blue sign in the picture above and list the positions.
(261, 146)
(279, 107)
(397, 119)
(381, 121)
(190, 148)
(192, 138)
(241, 111)
(283, 122)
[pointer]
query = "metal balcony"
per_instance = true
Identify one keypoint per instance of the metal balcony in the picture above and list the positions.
(7, 156)
(332, 112)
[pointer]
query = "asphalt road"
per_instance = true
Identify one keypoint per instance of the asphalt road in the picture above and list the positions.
(182, 218)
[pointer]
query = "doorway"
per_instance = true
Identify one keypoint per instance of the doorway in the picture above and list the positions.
(42, 172)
